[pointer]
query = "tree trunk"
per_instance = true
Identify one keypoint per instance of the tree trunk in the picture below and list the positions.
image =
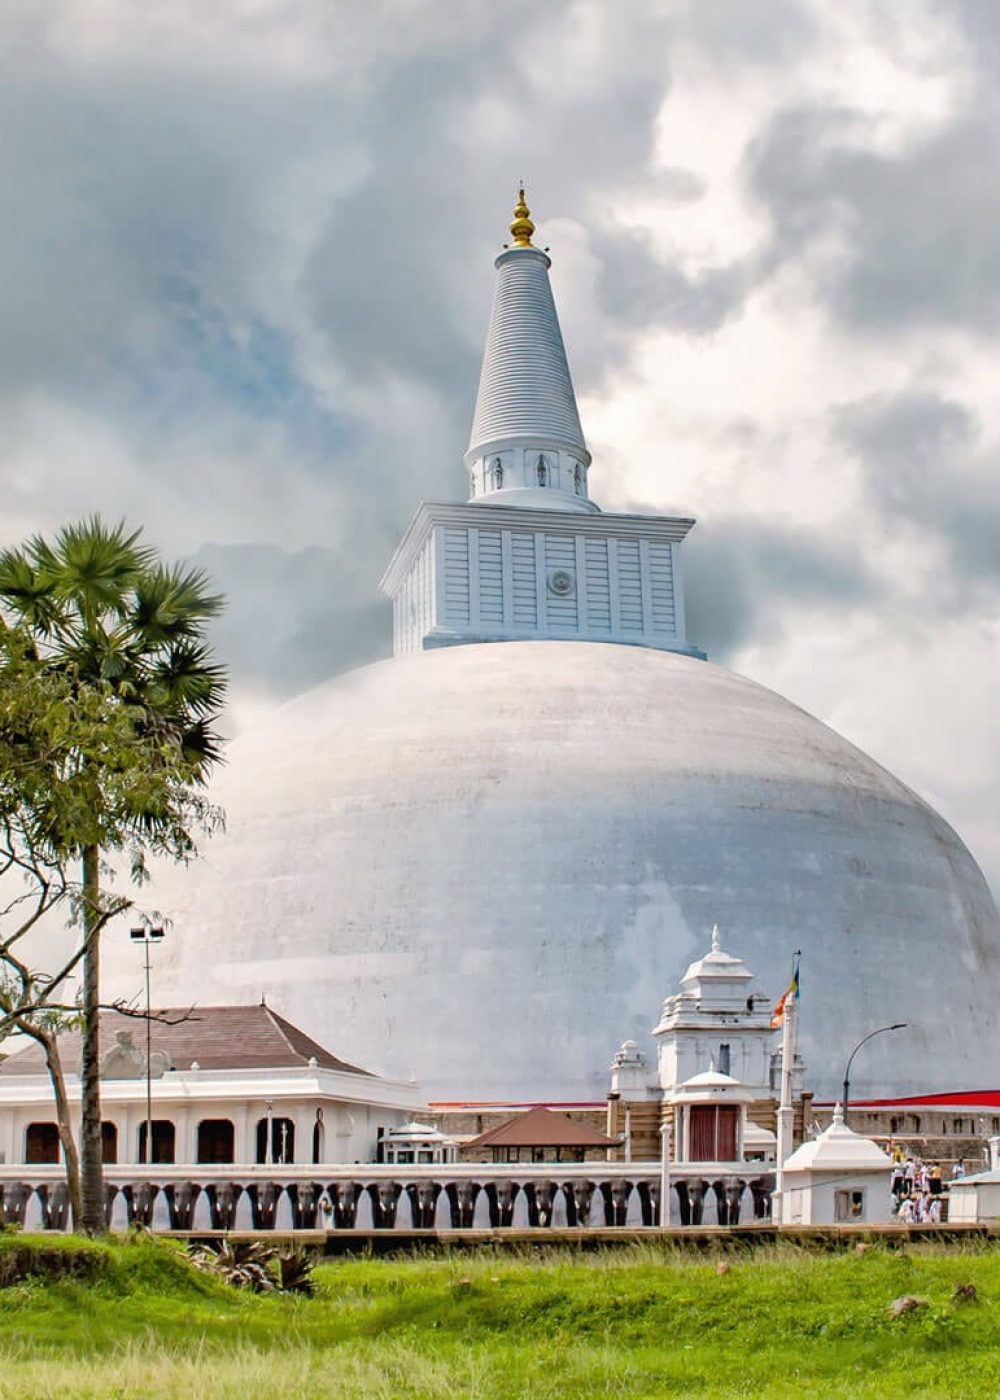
(91, 1220)
(53, 1061)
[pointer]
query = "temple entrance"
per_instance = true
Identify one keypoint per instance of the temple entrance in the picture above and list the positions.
(713, 1133)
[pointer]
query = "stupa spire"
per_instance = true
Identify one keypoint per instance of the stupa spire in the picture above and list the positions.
(527, 446)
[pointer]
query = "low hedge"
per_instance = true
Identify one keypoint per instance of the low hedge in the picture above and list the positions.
(24, 1257)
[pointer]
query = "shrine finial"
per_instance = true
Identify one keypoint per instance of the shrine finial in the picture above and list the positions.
(521, 227)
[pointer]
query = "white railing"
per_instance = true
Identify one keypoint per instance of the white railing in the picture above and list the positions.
(367, 1195)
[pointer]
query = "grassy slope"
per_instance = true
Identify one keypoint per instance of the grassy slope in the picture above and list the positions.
(643, 1323)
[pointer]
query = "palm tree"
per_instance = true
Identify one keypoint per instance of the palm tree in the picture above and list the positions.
(104, 608)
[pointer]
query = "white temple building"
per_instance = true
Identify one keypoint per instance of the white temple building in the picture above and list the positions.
(226, 1085)
(478, 857)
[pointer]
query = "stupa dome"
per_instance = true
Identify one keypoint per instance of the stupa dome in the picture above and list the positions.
(485, 865)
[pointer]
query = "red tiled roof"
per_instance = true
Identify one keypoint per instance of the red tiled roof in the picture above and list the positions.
(987, 1098)
(218, 1037)
(540, 1127)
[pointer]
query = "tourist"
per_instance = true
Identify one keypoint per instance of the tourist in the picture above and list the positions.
(933, 1212)
(935, 1184)
(958, 1170)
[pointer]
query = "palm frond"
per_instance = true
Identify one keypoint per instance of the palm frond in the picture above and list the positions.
(187, 680)
(202, 747)
(93, 567)
(28, 595)
(171, 602)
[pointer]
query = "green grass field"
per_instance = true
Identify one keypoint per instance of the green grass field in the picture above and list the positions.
(642, 1322)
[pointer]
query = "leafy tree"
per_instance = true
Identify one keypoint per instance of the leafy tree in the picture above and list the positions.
(117, 627)
(54, 740)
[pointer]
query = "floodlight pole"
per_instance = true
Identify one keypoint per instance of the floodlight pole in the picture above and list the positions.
(146, 936)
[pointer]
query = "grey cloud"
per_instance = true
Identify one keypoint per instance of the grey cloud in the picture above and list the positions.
(735, 32)
(295, 618)
(166, 246)
(921, 228)
(745, 579)
(637, 289)
(925, 465)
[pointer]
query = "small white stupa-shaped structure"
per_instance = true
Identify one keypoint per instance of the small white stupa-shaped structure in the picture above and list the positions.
(838, 1178)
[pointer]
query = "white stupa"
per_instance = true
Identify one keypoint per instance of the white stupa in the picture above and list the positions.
(482, 862)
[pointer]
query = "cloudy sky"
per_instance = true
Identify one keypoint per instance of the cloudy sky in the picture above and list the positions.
(246, 270)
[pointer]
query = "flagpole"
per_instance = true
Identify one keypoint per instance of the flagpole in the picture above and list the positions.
(786, 1109)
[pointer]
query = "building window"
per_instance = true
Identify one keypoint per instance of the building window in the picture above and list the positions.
(724, 1059)
(542, 472)
(472, 484)
(164, 1141)
(109, 1144)
(848, 1205)
(497, 474)
(996, 1126)
(578, 479)
(282, 1141)
(216, 1141)
(319, 1138)
(41, 1144)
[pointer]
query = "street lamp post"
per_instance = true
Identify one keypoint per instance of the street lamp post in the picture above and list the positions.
(896, 1026)
(146, 936)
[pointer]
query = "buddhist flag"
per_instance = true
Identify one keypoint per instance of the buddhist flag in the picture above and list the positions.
(791, 993)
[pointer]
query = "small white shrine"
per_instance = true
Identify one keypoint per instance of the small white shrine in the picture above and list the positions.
(838, 1178)
(413, 1143)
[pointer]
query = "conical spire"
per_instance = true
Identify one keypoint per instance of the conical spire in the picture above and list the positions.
(527, 445)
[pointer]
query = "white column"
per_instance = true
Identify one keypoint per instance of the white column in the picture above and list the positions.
(664, 1175)
(680, 621)
(786, 1112)
(507, 578)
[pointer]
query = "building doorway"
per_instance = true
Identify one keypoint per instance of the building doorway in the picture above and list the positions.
(713, 1133)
